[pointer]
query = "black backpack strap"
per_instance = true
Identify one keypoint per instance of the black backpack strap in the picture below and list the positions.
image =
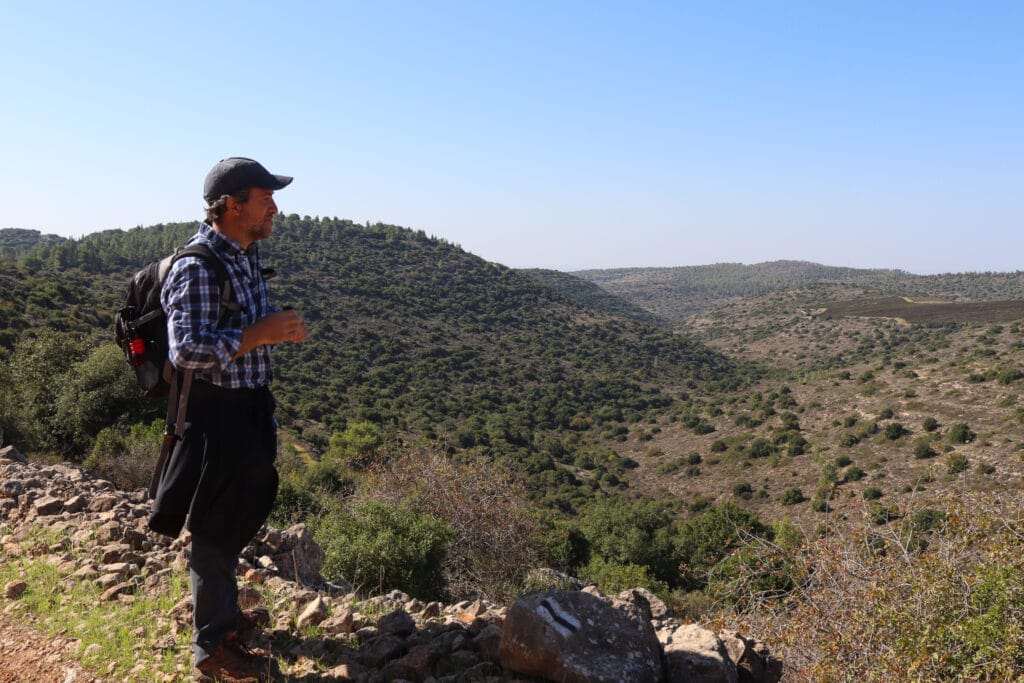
(177, 405)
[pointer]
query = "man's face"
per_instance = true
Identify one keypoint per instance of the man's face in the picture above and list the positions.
(257, 214)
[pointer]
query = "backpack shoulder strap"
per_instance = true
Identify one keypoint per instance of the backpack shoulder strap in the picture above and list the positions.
(200, 250)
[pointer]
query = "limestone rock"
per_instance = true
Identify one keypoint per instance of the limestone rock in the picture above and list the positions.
(313, 614)
(576, 637)
(696, 655)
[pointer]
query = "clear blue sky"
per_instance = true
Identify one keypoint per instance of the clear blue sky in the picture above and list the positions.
(550, 134)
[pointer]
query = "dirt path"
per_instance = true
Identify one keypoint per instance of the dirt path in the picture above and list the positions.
(28, 656)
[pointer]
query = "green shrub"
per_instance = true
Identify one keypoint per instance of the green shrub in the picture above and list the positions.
(640, 533)
(923, 448)
(956, 463)
(848, 440)
(743, 490)
(126, 459)
(379, 546)
(873, 493)
(867, 429)
(792, 497)
(879, 513)
(853, 474)
(960, 433)
(760, 448)
(611, 578)
(894, 431)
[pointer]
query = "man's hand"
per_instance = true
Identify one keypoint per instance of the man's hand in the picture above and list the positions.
(280, 326)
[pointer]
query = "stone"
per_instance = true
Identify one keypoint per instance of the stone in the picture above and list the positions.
(655, 606)
(753, 659)
(14, 589)
(75, 504)
(314, 613)
(115, 592)
(341, 622)
(12, 454)
(48, 505)
(415, 665)
(575, 637)
(488, 642)
(12, 488)
(382, 649)
(398, 623)
(694, 654)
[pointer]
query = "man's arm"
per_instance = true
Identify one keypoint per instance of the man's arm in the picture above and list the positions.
(277, 327)
(191, 297)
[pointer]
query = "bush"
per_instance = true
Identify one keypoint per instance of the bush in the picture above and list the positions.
(894, 431)
(633, 533)
(497, 535)
(743, 490)
(853, 474)
(377, 546)
(612, 578)
(848, 440)
(873, 493)
(953, 614)
(930, 424)
(960, 433)
(923, 448)
(792, 497)
(956, 463)
(702, 542)
(760, 448)
(127, 459)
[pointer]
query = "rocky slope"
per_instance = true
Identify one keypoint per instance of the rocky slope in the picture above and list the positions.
(92, 540)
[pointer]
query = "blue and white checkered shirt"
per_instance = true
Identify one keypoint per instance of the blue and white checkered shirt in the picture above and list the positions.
(191, 297)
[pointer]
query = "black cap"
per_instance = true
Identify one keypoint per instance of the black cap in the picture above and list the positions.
(230, 175)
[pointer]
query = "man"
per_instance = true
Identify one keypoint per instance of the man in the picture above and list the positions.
(221, 474)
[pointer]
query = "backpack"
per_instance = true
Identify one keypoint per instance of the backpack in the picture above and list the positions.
(141, 332)
(141, 324)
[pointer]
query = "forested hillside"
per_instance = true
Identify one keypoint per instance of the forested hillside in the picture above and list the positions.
(407, 333)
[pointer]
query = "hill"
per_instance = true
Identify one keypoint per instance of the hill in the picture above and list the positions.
(407, 333)
(674, 293)
(592, 295)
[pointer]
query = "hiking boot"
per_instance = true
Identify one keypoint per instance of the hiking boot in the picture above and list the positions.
(252, 619)
(231, 663)
(250, 622)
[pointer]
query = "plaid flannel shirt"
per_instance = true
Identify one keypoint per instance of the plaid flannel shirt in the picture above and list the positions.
(191, 297)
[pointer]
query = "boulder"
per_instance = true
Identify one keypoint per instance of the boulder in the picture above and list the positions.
(754, 661)
(576, 637)
(696, 655)
(13, 454)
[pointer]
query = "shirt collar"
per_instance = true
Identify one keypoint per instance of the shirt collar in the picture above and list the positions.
(219, 241)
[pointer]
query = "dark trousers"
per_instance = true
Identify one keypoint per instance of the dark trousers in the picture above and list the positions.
(214, 595)
(222, 476)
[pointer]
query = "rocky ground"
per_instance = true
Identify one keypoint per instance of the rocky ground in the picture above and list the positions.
(29, 655)
(90, 594)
